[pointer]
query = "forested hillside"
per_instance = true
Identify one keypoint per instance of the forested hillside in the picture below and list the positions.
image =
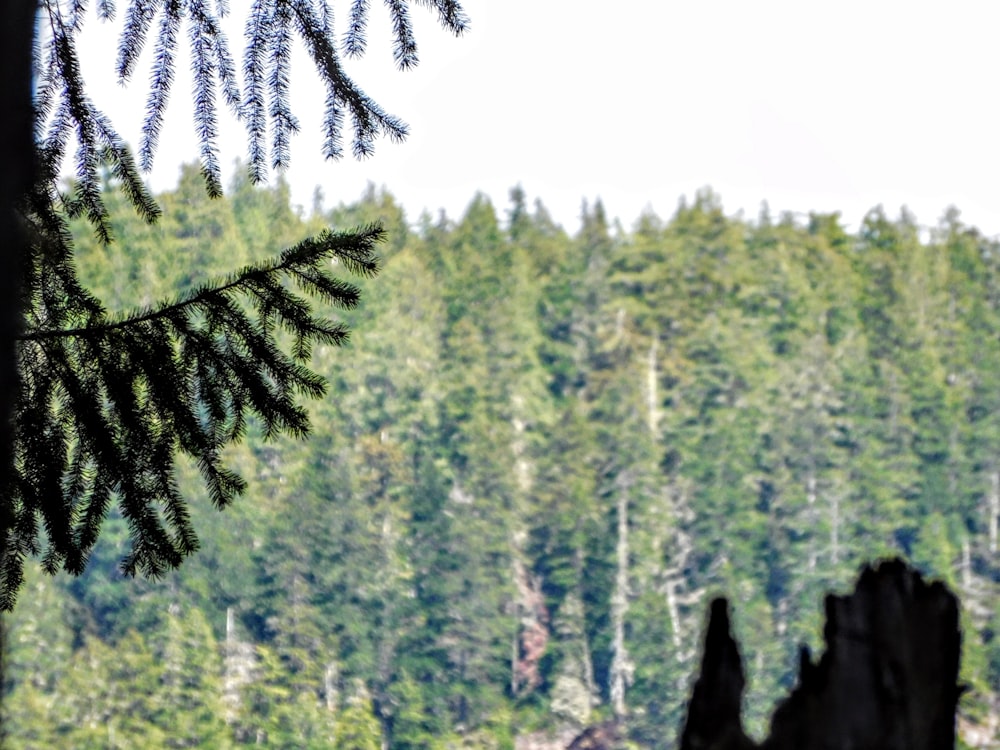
(541, 455)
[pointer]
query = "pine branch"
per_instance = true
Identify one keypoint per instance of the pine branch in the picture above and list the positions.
(450, 14)
(108, 401)
(284, 123)
(370, 120)
(206, 120)
(264, 103)
(161, 80)
(254, 73)
(404, 48)
(138, 19)
(107, 404)
(355, 42)
(354, 250)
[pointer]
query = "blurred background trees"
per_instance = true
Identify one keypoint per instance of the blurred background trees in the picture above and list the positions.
(522, 493)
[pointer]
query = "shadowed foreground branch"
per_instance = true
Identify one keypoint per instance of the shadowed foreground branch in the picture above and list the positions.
(107, 403)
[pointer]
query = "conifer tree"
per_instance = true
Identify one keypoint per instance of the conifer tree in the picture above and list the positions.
(107, 400)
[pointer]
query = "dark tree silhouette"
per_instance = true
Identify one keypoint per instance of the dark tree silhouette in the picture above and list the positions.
(100, 405)
(16, 34)
(888, 679)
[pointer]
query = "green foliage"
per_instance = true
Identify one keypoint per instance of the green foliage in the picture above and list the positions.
(357, 727)
(765, 406)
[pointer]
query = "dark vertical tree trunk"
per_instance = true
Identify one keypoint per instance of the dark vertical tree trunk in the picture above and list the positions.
(888, 679)
(17, 31)
(17, 28)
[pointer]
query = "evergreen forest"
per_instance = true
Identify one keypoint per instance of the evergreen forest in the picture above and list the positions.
(540, 457)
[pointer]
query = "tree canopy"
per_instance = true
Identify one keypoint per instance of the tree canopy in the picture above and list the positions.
(548, 454)
(107, 399)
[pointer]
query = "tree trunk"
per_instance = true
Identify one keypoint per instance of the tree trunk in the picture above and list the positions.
(17, 33)
(811, 516)
(16, 128)
(888, 680)
(588, 660)
(652, 378)
(834, 526)
(621, 667)
(238, 670)
(993, 510)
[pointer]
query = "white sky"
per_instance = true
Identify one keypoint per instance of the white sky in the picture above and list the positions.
(807, 105)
